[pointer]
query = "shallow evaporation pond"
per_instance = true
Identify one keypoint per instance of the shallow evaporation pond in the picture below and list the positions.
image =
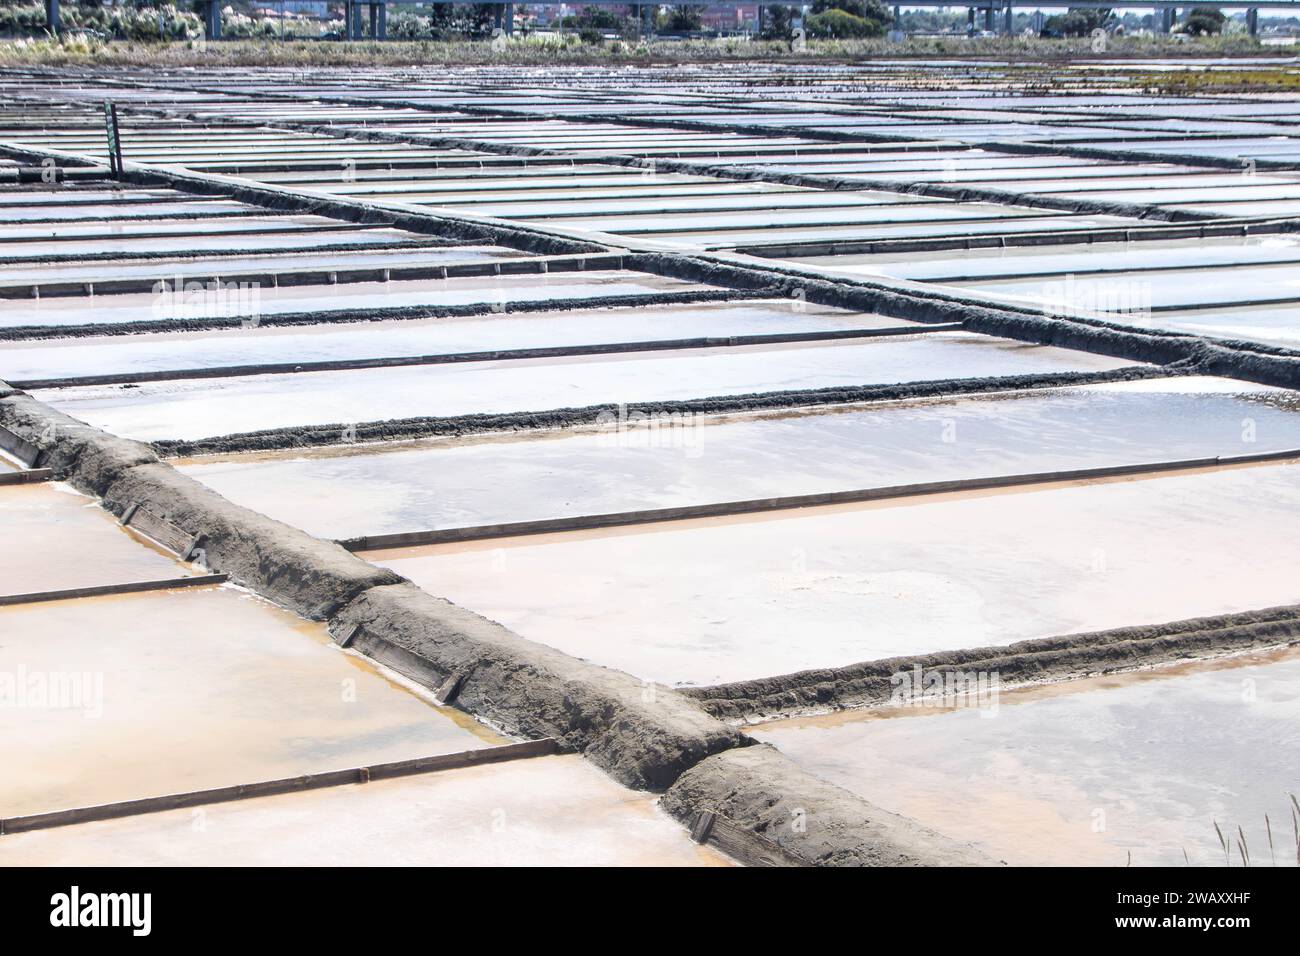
(676, 461)
(1221, 207)
(1240, 191)
(1136, 291)
(542, 182)
(57, 539)
(559, 179)
(1041, 178)
(81, 196)
(288, 264)
(1120, 187)
(172, 227)
(755, 237)
(256, 300)
(25, 361)
(899, 211)
(780, 203)
(718, 600)
(546, 811)
(1081, 258)
(1093, 772)
(210, 407)
(187, 690)
(109, 211)
(41, 251)
(1270, 324)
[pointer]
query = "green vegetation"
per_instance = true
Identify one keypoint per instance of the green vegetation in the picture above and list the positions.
(680, 19)
(778, 23)
(840, 25)
(1079, 22)
(531, 49)
(847, 19)
(1204, 22)
(440, 22)
(139, 22)
(1264, 79)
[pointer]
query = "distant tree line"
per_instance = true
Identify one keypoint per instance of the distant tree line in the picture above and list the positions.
(140, 20)
(829, 19)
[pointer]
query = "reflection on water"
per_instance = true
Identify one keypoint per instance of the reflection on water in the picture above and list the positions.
(199, 689)
(56, 539)
(209, 407)
(710, 601)
(1086, 772)
(350, 341)
(446, 483)
(546, 811)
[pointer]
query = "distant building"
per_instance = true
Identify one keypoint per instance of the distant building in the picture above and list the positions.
(734, 17)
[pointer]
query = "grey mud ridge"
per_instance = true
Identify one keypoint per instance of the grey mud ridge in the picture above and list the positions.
(645, 736)
(1025, 662)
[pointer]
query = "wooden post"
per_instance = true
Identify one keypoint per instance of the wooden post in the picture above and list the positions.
(114, 140)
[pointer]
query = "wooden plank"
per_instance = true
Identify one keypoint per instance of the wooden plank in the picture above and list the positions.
(740, 843)
(447, 693)
(545, 747)
(171, 536)
(26, 476)
(703, 826)
(26, 452)
(311, 781)
(100, 590)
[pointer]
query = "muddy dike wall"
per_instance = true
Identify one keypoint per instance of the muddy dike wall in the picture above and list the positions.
(642, 735)
(1034, 661)
(759, 805)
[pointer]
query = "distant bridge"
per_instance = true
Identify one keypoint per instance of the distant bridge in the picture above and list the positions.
(996, 14)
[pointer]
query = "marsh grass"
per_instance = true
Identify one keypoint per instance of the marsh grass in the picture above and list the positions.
(569, 50)
(1295, 824)
(1263, 79)
(1243, 847)
(1227, 856)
